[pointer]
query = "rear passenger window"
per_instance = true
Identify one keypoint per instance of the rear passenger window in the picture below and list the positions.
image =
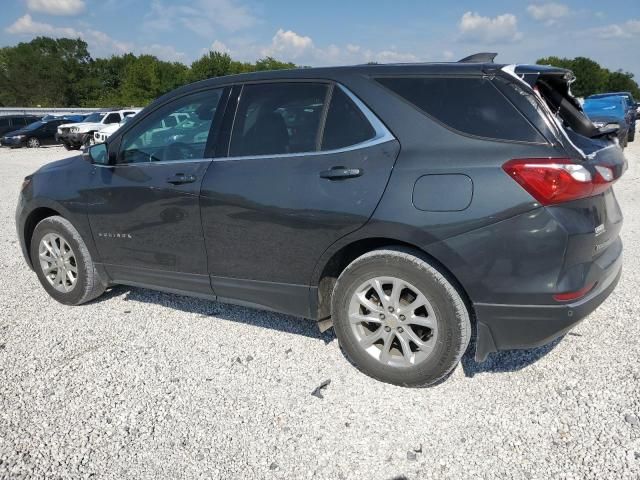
(278, 118)
(470, 105)
(345, 124)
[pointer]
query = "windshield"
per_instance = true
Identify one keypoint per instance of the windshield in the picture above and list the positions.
(94, 117)
(603, 107)
(34, 125)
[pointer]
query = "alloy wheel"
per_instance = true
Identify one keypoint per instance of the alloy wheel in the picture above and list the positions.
(58, 262)
(393, 321)
(33, 143)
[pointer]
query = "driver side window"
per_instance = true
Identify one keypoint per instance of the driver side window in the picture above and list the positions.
(176, 131)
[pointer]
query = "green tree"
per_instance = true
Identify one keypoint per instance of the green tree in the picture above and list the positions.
(270, 63)
(44, 71)
(623, 82)
(592, 78)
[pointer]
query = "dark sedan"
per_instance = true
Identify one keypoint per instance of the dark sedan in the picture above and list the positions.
(33, 135)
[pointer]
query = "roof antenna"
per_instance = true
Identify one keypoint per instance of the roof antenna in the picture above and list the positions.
(484, 57)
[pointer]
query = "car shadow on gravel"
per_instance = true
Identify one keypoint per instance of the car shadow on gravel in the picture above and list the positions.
(506, 361)
(500, 362)
(219, 310)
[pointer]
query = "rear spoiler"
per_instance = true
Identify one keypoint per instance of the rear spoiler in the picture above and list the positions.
(484, 57)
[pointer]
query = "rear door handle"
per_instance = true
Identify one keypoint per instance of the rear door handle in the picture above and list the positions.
(339, 173)
(181, 178)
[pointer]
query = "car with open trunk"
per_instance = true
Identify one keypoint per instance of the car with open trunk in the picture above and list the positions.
(408, 206)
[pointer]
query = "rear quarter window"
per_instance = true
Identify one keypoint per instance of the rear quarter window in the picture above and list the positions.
(470, 105)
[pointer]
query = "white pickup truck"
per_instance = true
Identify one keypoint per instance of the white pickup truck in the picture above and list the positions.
(75, 135)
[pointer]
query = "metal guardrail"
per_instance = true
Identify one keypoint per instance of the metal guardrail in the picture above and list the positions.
(43, 111)
(51, 111)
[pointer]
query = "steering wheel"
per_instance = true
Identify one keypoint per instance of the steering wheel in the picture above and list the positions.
(177, 151)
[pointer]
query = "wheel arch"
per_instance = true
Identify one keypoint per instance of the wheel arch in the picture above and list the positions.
(35, 216)
(326, 277)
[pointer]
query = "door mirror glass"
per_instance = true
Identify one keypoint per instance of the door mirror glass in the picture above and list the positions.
(99, 154)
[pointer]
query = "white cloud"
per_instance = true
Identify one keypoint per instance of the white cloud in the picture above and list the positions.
(200, 16)
(25, 25)
(288, 44)
(218, 46)
(99, 42)
(163, 52)
(629, 29)
(57, 7)
(549, 13)
(476, 28)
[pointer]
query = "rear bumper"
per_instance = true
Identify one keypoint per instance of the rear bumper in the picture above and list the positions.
(507, 327)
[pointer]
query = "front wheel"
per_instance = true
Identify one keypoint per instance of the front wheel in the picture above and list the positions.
(33, 142)
(398, 319)
(63, 263)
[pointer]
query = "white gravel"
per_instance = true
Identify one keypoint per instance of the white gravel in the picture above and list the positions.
(148, 385)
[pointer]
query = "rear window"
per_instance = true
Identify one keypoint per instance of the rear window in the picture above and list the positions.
(470, 105)
(345, 124)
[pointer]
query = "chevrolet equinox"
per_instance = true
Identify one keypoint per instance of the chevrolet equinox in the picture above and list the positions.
(406, 205)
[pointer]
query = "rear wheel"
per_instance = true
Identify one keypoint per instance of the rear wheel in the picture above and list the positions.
(63, 262)
(632, 135)
(33, 142)
(399, 319)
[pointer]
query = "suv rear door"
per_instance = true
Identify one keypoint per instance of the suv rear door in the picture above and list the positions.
(306, 164)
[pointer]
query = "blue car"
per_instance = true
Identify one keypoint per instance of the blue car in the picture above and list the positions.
(610, 113)
(632, 106)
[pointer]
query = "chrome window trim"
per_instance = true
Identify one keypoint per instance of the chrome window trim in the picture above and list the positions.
(382, 135)
(160, 162)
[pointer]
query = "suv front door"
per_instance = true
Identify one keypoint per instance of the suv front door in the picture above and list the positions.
(143, 208)
(307, 163)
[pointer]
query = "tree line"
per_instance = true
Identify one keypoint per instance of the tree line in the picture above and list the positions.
(62, 73)
(592, 78)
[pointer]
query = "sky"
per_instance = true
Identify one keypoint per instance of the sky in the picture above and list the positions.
(338, 32)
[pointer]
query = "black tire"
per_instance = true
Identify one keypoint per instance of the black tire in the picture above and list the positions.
(88, 284)
(33, 142)
(632, 135)
(452, 316)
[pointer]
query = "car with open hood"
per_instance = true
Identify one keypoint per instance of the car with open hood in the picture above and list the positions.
(610, 113)
(631, 104)
(74, 136)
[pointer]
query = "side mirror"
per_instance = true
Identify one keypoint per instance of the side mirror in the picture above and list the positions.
(99, 154)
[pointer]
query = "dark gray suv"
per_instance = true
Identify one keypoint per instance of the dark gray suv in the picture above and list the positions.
(407, 205)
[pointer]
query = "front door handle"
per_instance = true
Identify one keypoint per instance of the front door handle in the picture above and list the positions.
(181, 178)
(339, 173)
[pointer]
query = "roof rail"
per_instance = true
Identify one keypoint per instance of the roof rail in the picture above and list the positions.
(484, 57)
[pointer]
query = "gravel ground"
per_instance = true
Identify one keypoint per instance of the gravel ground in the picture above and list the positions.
(142, 385)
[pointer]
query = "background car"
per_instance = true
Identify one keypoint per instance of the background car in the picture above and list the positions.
(80, 135)
(610, 113)
(33, 135)
(9, 123)
(101, 135)
(632, 106)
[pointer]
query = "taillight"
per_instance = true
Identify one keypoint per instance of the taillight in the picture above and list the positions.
(557, 180)
(568, 296)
